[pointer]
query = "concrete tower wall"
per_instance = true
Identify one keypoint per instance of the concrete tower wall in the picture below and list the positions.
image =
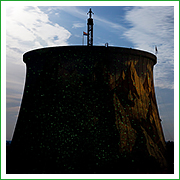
(93, 106)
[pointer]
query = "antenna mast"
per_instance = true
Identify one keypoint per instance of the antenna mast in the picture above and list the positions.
(90, 29)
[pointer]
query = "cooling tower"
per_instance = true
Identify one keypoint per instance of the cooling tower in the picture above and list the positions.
(88, 110)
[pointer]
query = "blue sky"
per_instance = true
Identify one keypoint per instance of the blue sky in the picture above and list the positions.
(139, 27)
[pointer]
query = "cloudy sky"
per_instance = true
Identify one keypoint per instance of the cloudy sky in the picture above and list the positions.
(142, 27)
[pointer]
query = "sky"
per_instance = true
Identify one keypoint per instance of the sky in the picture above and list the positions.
(31, 27)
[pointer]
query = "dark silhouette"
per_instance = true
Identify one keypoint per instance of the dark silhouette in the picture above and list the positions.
(90, 29)
(170, 156)
(88, 110)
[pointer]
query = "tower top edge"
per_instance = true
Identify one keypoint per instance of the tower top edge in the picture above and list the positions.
(85, 49)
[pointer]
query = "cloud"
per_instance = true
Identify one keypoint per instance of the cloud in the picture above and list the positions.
(13, 109)
(73, 10)
(150, 27)
(31, 28)
(78, 25)
(13, 98)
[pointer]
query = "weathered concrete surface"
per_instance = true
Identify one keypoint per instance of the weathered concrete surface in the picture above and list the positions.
(88, 110)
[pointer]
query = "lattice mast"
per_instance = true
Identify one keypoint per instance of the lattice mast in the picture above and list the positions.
(90, 29)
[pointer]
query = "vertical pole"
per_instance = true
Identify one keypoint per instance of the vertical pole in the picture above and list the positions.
(90, 29)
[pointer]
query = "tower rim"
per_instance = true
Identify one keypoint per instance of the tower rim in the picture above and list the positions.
(111, 49)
